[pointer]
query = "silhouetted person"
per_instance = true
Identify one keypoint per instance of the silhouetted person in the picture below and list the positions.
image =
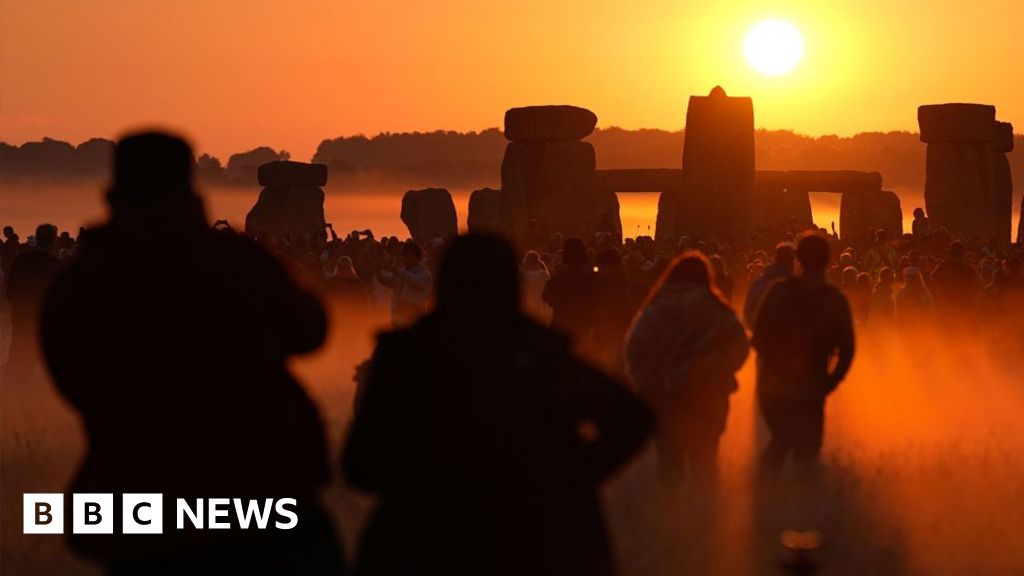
(914, 300)
(881, 255)
(410, 284)
(484, 438)
(682, 352)
(170, 340)
(922, 226)
(780, 269)
(31, 273)
(955, 284)
(882, 310)
(613, 312)
(9, 248)
(803, 325)
(572, 292)
(535, 276)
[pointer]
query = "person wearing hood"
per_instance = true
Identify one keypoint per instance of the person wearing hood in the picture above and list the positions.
(682, 353)
(483, 437)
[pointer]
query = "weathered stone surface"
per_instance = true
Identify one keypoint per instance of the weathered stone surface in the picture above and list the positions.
(958, 192)
(294, 210)
(1020, 224)
(968, 188)
(1001, 200)
(670, 205)
(775, 205)
(554, 183)
(485, 211)
(704, 210)
(861, 214)
(956, 122)
(548, 123)
(718, 167)
(1002, 141)
(286, 173)
(639, 179)
(840, 181)
(429, 214)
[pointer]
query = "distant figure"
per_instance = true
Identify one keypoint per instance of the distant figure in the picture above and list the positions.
(484, 438)
(781, 268)
(914, 301)
(535, 275)
(344, 285)
(9, 248)
(170, 340)
(922, 226)
(803, 325)
(882, 310)
(614, 310)
(955, 283)
(682, 353)
(410, 285)
(722, 278)
(27, 282)
(572, 293)
(881, 255)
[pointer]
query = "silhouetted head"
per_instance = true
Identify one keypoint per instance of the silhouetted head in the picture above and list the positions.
(149, 166)
(918, 213)
(690, 267)
(8, 232)
(881, 236)
(813, 252)
(531, 260)
(849, 275)
(153, 174)
(785, 255)
(956, 250)
(886, 276)
(478, 279)
(46, 235)
(574, 252)
(412, 254)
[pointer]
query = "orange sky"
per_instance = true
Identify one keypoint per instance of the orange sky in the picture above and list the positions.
(235, 74)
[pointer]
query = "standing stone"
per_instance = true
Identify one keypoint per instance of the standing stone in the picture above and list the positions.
(291, 202)
(718, 169)
(776, 205)
(429, 214)
(548, 176)
(968, 189)
(862, 213)
(485, 211)
(1020, 224)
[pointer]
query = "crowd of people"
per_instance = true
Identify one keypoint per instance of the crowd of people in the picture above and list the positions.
(513, 382)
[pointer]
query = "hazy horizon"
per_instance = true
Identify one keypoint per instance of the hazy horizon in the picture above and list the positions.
(246, 74)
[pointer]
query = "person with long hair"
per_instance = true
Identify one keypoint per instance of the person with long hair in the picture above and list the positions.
(682, 353)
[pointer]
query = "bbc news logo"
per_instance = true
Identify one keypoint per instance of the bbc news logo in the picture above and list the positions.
(144, 513)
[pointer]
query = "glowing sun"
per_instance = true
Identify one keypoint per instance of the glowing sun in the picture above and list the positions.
(773, 47)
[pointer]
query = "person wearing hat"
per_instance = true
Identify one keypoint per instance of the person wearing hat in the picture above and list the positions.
(170, 340)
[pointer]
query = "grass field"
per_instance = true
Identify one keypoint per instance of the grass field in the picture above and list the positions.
(924, 471)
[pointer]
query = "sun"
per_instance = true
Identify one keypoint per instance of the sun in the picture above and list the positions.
(773, 47)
